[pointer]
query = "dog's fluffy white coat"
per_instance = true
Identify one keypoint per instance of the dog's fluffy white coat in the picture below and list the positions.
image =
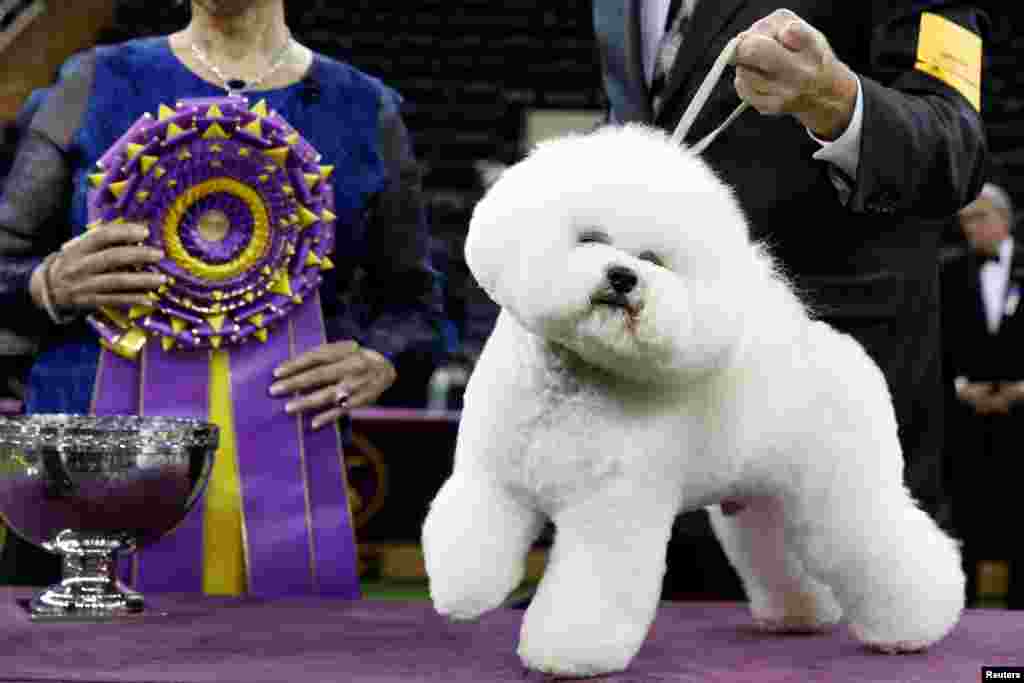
(707, 382)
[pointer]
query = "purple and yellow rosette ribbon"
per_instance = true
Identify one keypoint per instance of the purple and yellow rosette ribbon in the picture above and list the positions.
(242, 208)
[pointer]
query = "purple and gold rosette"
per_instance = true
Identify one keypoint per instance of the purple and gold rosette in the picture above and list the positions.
(241, 206)
(237, 200)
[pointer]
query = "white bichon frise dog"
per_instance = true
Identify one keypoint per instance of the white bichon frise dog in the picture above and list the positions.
(649, 359)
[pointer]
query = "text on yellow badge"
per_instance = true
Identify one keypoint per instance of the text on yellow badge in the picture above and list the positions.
(952, 54)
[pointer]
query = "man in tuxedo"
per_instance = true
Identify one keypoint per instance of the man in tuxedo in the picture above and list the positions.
(864, 137)
(983, 334)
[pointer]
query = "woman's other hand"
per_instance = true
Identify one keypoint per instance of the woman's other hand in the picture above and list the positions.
(332, 379)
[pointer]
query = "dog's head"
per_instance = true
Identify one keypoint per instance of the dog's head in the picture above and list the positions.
(622, 247)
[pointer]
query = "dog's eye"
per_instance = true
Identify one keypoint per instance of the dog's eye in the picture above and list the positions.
(593, 237)
(651, 257)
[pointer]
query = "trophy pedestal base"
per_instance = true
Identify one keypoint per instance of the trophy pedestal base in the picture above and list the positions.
(89, 617)
(90, 590)
(75, 602)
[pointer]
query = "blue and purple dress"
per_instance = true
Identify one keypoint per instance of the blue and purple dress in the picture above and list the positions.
(380, 291)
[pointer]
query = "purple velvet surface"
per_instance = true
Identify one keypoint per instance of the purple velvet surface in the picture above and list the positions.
(234, 640)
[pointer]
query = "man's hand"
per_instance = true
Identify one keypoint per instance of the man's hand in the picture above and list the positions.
(97, 269)
(1008, 395)
(332, 379)
(786, 66)
(974, 394)
(984, 398)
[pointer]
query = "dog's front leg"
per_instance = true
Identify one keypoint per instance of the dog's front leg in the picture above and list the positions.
(475, 541)
(601, 588)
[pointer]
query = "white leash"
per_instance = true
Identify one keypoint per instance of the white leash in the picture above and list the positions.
(701, 98)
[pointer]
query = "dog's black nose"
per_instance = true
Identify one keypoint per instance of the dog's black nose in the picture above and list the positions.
(622, 279)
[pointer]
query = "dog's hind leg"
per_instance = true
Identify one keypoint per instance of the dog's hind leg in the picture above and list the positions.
(895, 573)
(475, 541)
(783, 596)
(600, 590)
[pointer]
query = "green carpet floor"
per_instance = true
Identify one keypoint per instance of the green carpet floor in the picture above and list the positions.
(417, 590)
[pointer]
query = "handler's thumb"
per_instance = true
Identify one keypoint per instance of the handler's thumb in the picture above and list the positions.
(797, 36)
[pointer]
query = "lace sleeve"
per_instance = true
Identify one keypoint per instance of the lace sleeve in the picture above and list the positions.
(399, 287)
(34, 205)
(31, 223)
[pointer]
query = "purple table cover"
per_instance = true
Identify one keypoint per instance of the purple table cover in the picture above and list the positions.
(231, 640)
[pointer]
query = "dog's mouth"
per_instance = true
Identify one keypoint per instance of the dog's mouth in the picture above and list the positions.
(610, 299)
(631, 309)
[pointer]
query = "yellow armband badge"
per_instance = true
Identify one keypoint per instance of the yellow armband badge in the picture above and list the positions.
(952, 54)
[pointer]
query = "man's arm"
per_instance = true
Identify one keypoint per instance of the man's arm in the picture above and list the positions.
(922, 145)
(844, 152)
(923, 150)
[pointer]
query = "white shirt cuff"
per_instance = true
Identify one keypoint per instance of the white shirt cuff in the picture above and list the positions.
(844, 152)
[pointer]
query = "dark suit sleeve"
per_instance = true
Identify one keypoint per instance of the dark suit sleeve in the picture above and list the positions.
(953, 292)
(923, 145)
(400, 290)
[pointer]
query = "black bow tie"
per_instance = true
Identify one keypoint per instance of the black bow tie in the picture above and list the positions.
(987, 258)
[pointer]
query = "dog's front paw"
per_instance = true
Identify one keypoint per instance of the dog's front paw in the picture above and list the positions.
(575, 660)
(465, 610)
(459, 604)
(576, 652)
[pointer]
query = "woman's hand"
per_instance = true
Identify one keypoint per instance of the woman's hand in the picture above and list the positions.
(332, 379)
(97, 269)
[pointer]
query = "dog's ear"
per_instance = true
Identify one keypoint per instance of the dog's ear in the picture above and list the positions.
(490, 246)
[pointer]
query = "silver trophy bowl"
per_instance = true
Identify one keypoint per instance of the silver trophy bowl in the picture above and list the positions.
(89, 488)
